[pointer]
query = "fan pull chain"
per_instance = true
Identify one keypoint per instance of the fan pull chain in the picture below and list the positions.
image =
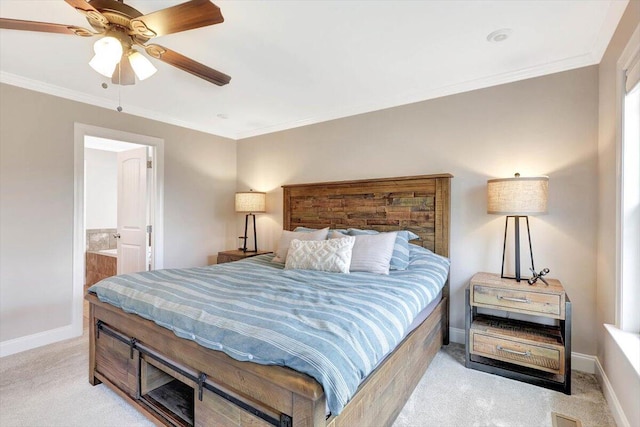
(119, 103)
(119, 109)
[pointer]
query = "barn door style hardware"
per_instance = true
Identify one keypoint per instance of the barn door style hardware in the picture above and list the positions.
(200, 378)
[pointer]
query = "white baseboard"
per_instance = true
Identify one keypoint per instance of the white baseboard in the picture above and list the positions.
(579, 362)
(583, 362)
(457, 335)
(609, 394)
(29, 342)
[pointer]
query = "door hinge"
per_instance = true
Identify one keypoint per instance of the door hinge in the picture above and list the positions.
(149, 228)
(149, 164)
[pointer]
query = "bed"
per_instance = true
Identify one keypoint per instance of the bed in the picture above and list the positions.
(177, 381)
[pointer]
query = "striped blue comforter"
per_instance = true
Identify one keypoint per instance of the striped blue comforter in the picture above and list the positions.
(333, 327)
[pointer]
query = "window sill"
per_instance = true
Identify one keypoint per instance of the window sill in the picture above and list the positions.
(629, 344)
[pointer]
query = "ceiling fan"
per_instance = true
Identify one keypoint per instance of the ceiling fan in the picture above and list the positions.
(122, 29)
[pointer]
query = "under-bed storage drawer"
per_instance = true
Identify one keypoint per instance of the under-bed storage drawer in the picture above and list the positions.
(166, 391)
(116, 360)
(213, 410)
(175, 394)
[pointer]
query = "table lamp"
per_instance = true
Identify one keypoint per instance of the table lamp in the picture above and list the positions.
(517, 198)
(250, 202)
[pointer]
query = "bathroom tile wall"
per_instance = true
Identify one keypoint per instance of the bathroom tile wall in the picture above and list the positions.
(98, 267)
(101, 238)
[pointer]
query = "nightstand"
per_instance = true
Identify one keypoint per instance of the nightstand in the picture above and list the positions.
(235, 255)
(526, 350)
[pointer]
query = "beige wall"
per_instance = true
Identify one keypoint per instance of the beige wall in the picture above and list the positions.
(546, 125)
(101, 189)
(36, 201)
(623, 379)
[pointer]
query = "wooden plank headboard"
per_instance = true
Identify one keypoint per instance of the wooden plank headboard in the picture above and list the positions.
(417, 203)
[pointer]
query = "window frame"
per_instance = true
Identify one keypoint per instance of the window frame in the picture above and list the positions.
(630, 54)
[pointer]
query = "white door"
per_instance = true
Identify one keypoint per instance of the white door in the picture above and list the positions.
(132, 210)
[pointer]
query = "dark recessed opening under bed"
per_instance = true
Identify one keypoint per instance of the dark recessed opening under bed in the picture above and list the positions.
(174, 400)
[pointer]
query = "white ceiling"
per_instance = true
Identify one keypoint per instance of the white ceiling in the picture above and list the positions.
(294, 63)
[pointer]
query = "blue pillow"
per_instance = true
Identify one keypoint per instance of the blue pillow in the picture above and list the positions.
(309, 230)
(400, 257)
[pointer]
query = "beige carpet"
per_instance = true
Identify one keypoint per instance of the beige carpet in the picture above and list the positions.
(49, 387)
(451, 395)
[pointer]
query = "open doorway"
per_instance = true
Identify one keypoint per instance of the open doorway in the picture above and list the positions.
(118, 196)
(118, 214)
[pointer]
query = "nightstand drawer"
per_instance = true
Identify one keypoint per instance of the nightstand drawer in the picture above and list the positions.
(222, 258)
(523, 343)
(521, 353)
(536, 303)
(237, 255)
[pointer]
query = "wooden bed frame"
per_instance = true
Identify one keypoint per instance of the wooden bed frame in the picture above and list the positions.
(139, 359)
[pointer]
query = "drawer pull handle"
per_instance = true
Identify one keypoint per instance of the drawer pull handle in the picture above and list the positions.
(524, 300)
(519, 353)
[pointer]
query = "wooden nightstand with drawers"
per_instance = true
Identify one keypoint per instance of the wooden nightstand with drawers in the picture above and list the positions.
(235, 255)
(530, 350)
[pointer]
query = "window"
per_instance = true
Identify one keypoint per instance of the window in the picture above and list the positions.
(630, 213)
(629, 190)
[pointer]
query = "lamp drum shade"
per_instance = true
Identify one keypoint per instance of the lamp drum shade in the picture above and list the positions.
(250, 202)
(518, 196)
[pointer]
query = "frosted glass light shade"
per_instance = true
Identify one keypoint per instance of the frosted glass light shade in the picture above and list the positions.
(252, 202)
(109, 48)
(108, 53)
(518, 196)
(141, 66)
(103, 65)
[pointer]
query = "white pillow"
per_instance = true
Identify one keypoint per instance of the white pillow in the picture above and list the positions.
(372, 252)
(288, 236)
(322, 255)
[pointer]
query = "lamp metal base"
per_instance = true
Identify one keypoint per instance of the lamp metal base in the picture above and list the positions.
(255, 234)
(518, 276)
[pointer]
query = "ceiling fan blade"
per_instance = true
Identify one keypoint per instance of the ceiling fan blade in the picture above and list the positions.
(123, 74)
(89, 11)
(45, 27)
(183, 17)
(187, 64)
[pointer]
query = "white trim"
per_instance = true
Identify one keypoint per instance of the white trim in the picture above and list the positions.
(628, 344)
(157, 217)
(39, 339)
(408, 97)
(630, 50)
(38, 86)
(610, 395)
(583, 362)
(457, 335)
(627, 55)
(609, 25)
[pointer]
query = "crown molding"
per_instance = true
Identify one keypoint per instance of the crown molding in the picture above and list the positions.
(38, 86)
(566, 64)
(410, 97)
(608, 28)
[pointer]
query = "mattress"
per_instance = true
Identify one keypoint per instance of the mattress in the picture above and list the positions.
(334, 327)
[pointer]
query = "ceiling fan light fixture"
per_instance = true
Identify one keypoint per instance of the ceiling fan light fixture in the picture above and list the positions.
(141, 65)
(109, 48)
(108, 53)
(120, 27)
(103, 66)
